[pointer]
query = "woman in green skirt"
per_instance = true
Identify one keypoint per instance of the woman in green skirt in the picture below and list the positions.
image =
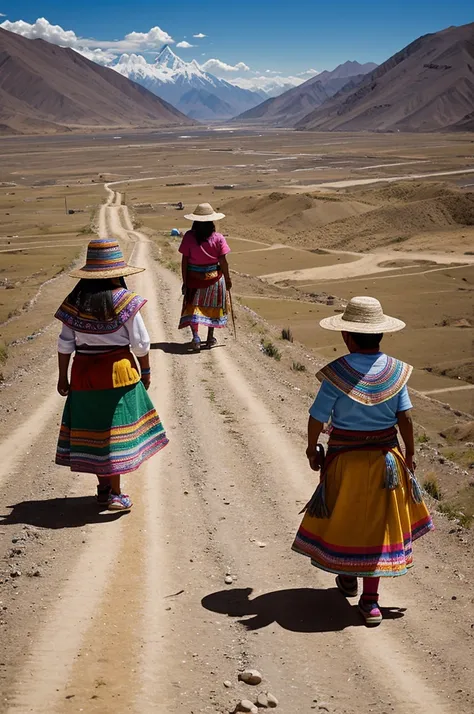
(109, 425)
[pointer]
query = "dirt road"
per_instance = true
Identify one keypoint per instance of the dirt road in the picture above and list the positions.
(133, 614)
(347, 183)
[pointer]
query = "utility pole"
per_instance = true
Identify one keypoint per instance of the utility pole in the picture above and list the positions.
(65, 204)
(124, 199)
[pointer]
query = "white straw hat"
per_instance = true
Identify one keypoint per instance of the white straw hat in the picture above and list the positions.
(365, 315)
(205, 212)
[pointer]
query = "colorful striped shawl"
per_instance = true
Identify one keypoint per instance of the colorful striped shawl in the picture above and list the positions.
(368, 389)
(126, 306)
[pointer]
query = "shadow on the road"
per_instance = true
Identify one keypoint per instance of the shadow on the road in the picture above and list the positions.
(298, 609)
(59, 513)
(179, 348)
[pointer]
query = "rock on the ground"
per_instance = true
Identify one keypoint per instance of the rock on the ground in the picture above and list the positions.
(246, 706)
(227, 684)
(250, 676)
(228, 580)
(272, 701)
(262, 701)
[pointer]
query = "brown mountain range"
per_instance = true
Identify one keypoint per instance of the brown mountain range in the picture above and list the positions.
(427, 86)
(46, 88)
(294, 104)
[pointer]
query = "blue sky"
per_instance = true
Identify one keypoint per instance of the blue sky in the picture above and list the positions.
(264, 34)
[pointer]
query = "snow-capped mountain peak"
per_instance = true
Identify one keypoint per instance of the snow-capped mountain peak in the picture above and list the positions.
(171, 78)
(167, 59)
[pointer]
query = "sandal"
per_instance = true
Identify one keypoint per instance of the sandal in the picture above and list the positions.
(210, 343)
(196, 344)
(370, 611)
(347, 585)
(103, 494)
(119, 502)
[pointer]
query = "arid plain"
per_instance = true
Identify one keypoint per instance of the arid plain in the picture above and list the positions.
(312, 219)
(315, 217)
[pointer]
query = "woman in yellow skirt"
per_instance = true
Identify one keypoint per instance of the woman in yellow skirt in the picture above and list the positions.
(368, 509)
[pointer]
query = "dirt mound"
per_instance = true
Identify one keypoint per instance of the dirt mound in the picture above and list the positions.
(405, 191)
(460, 432)
(460, 370)
(398, 219)
(295, 212)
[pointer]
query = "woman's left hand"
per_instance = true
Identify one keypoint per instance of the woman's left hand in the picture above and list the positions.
(146, 380)
(411, 464)
(183, 289)
(228, 283)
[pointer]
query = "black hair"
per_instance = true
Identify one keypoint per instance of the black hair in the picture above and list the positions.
(203, 230)
(94, 297)
(365, 341)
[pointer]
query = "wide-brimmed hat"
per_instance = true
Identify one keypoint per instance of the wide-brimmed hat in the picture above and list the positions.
(205, 212)
(104, 260)
(365, 315)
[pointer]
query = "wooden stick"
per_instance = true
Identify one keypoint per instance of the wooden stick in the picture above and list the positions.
(233, 315)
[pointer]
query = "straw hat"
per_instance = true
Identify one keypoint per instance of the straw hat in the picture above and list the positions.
(104, 260)
(205, 212)
(365, 315)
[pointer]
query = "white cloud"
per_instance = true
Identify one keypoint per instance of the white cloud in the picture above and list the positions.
(272, 86)
(43, 30)
(155, 37)
(184, 45)
(216, 65)
(200, 36)
(97, 55)
(99, 50)
(308, 73)
(2, 14)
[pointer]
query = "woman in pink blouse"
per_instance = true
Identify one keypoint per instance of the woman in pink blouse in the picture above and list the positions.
(206, 278)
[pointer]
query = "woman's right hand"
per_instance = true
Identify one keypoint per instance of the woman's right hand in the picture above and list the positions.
(228, 283)
(313, 458)
(183, 289)
(63, 386)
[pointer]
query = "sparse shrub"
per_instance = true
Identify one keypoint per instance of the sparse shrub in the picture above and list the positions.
(286, 334)
(269, 349)
(432, 488)
(174, 266)
(3, 353)
(464, 520)
(423, 438)
(298, 367)
(85, 231)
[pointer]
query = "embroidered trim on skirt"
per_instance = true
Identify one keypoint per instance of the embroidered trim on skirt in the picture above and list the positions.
(205, 301)
(370, 525)
(109, 424)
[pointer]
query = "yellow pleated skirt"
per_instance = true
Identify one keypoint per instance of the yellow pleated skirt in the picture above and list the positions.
(371, 529)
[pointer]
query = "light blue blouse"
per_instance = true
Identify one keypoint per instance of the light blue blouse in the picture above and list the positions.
(348, 414)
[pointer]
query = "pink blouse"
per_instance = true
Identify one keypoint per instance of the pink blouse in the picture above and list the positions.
(208, 252)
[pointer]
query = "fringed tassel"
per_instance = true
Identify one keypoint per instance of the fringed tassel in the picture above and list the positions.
(392, 479)
(317, 507)
(416, 492)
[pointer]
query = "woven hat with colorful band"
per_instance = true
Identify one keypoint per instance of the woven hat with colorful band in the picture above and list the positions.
(104, 260)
